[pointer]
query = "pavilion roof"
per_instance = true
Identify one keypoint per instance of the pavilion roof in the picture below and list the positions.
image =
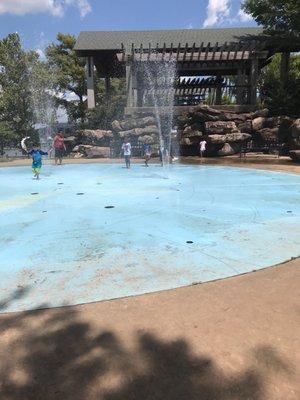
(113, 40)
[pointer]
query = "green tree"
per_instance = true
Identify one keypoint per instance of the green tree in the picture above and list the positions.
(15, 96)
(7, 136)
(68, 72)
(280, 98)
(110, 107)
(276, 16)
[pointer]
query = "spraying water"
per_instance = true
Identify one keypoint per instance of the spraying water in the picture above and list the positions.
(159, 93)
(44, 107)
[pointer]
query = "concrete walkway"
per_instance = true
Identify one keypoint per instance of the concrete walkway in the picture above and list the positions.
(233, 339)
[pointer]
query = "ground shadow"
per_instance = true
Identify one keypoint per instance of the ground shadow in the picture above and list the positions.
(17, 294)
(53, 354)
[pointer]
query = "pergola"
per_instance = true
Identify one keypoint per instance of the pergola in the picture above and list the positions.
(215, 62)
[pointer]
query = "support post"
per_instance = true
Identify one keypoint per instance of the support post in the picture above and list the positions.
(139, 87)
(240, 89)
(219, 90)
(129, 89)
(253, 80)
(107, 88)
(284, 67)
(90, 82)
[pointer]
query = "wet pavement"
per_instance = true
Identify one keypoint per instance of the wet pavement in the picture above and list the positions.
(92, 232)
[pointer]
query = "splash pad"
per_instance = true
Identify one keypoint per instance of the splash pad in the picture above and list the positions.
(93, 232)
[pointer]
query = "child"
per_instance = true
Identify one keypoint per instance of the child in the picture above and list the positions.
(36, 155)
(59, 148)
(147, 153)
(202, 147)
(126, 147)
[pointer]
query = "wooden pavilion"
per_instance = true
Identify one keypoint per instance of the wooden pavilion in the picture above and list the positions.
(210, 64)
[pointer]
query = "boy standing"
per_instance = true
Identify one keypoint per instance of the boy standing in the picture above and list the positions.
(36, 153)
(147, 153)
(202, 147)
(59, 148)
(126, 148)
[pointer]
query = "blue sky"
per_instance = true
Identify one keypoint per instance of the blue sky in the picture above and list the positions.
(38, 21)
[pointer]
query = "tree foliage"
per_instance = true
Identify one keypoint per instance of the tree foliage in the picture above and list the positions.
(7, 136)
(279, 97)
(276, 16)
(15, 98)
(68, 71)
(108, 108)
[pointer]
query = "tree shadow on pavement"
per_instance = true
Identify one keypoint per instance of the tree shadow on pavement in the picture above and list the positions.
(53, 354)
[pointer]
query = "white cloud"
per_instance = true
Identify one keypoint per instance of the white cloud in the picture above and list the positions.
(244, 17)
(41, 54)
(55, 7)
(216, 11)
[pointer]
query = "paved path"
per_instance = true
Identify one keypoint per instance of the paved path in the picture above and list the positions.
(233, 339)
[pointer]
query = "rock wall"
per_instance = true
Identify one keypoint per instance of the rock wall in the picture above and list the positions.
(226, 133)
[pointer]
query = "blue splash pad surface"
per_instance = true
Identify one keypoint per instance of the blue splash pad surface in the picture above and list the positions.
(59, 247)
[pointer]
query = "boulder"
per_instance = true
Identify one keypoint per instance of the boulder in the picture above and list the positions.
(132, 123)
(94, 136)
(245, 126)
(238, 137)
(206, 110)
(81, 148)
(70, 142)
(116, 126)
(258, 123)
(295, 155)
(98, 152)
(185, 142)
(295, 129)
(261, 113)
(268, 133)
(226, 116)
(272, 122)
(191, 133)
(229, 149)
(220, 127)
(146, 139)
(148, 130)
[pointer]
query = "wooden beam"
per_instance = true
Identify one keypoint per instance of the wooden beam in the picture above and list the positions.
(254, 77)
(129, 86)
(90, 82)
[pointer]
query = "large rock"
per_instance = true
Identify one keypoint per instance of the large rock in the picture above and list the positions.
(81, 148)
(230, 149)
(98, 152)
(94, 136)
(148, 130)
(238, 137)
(272, 122)
(132, 123)
(146, 139)
(186, 142)
(295, 155)
(189, 132)
(258, 123)
(245, 126)
(70, 141)
(116, 126)
(261, 113)
(295, 128)
(269, 133)
(227, 116)
(220, 127)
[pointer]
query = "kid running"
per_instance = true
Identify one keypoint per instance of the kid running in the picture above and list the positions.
(36, 153)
